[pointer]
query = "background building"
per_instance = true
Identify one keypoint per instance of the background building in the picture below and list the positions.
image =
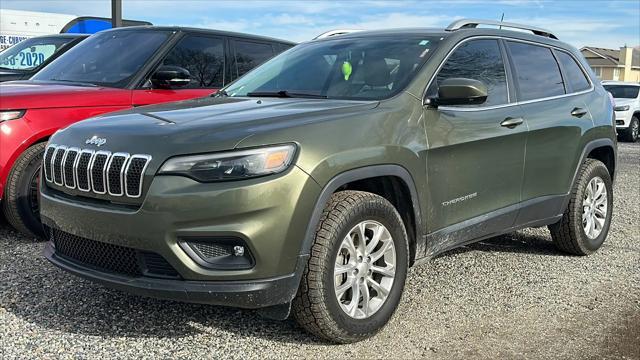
(18, 25)
(609, 64)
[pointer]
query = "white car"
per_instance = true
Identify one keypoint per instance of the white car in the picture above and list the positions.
(627, 99)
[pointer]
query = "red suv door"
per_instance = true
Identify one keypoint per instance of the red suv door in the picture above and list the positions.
(203, 56)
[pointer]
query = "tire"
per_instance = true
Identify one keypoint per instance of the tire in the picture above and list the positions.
(20, 203)
(316, 306)
(630, 134)
(569, 233)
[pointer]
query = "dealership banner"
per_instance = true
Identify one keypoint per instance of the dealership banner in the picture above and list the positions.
(7, 40)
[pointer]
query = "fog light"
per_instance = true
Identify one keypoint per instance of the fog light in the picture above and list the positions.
(238, 250)
(218, 252)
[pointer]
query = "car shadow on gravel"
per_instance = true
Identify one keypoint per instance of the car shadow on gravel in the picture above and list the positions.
(51, 299)
(47, 297)
(517, 242)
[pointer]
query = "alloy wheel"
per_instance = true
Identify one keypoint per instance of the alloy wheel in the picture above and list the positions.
(365, 269)
(594, 208)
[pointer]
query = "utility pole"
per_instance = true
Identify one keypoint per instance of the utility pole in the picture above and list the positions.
(116, 13)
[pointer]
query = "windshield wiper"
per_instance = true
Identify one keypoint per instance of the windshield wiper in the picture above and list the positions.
(284, 94)
(220, 93)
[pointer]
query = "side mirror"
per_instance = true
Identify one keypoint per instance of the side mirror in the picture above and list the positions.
(460, 91)
(167, 77)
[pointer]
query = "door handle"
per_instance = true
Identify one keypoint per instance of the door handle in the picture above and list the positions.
(512, 122)
(578, 112)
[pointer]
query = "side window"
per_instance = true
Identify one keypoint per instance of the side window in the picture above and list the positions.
(204, 58)
(251, 54)
(536, 71)
(478, 60)
(574, 74)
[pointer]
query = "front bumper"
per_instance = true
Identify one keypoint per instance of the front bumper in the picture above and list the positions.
(623, 119)
(269, 214)
(242, 294)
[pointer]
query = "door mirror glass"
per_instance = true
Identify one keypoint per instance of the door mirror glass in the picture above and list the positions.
(460, 91)
(167, 77)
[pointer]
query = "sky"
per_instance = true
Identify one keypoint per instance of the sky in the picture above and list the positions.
(609, 24)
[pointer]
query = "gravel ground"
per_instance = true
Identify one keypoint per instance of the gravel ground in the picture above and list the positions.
(513, 296)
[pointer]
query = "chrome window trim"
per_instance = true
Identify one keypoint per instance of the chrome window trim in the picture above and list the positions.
(64, 166)
(505, 38)
(53, 162)
(51, 147)
(144, 169)
(75, 168)
(126, 160)
(93, 159)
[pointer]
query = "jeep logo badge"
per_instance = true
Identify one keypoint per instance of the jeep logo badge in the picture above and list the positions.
(96, 141)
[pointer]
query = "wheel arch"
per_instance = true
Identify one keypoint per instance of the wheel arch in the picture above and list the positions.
(6, 170)
(392, 182)
(604, 150)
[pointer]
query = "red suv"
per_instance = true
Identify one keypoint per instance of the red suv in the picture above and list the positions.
(112, 70)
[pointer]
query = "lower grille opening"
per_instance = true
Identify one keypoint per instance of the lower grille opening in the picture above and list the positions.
(619, 122)
(110, 258)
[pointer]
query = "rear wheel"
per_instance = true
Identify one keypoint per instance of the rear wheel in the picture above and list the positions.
(21, 204)
(630, 134)
(585, 223)
(355, 276)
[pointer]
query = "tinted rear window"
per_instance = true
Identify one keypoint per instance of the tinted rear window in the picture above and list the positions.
(536, 71)
(251, 54)
(574, 74)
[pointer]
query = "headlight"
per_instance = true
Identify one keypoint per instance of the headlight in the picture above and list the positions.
(621, 108)
(232, 165)
(11, 115)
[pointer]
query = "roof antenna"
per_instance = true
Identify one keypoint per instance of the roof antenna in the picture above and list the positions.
(501, 20)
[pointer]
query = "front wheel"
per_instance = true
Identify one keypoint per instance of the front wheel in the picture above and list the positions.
(20, 203)
(630, 134)
(355, 276)
(585, 223)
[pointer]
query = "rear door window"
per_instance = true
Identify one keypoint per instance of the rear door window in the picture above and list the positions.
(479, 60)
(249, 54)
(536, 71)
(203, 57)
(575, 77)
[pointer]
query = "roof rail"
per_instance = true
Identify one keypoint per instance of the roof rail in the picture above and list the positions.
(331, 33)
(472, 23)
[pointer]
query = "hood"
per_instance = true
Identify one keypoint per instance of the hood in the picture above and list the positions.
(623, 101)
(201, 125)
(10, 75)
(40, 94)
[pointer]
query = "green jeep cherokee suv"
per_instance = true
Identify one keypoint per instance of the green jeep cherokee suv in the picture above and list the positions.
(311, 185)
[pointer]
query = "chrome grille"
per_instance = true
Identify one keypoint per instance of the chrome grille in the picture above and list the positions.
(115, 171)
(58, 155)
(101, 172)
(134, 172)
(67, 164)
(98, 167)
(48, 156)
(82, 170)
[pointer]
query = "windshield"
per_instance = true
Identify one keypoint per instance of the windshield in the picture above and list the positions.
(623, 91)
(110, 58)
(31, 53)
(354, 68)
